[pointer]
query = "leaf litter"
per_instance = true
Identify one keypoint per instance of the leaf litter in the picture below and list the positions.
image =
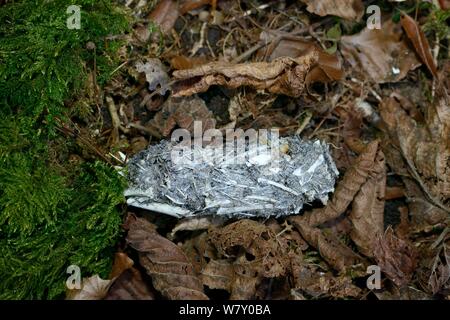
(289, 65)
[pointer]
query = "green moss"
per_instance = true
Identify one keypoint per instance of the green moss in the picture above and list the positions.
(79, 224)
(49, 221)
(42, 61)
(437, 22)
(52, 218)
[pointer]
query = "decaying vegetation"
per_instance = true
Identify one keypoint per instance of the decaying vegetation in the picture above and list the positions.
(76, 104)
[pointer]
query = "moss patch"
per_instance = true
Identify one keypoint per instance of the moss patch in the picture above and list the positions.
(52, 218)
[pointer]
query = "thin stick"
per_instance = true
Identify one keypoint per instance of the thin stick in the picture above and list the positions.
(148, 130)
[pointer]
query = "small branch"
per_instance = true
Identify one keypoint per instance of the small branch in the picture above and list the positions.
(114, 118)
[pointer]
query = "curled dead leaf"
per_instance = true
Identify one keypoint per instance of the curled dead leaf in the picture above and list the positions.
(423, 212)
(252, 251)
(367, 215)
(328, 67)
(420, 42)
(332, 251)
(121, 263)
(336, 254)
(346, 189)
(284, 76)
(352, 131)
(244, 284)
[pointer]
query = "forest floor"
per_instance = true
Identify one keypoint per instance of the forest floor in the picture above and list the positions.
(373, 84)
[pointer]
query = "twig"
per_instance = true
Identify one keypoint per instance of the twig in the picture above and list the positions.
(148, 130)
(75, 134)
(114, 119)
(250, 51)
(198, 45)
(118, 68)
(249, 12)
(435, 58)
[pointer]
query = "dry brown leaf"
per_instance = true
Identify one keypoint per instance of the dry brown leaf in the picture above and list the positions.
(256, 252)
(367, 215)
(444, 4)
(182, 112)
(328, 67)
(346, 189)
(423, 212)
(200, 251)
(420, 42)
(244, 284)
(92, 288)
(347, 9)
(183, 62)
(130, 286)
(121, 263)
(284, 76)
(394, 192)
(237, 276)
(340, 226)
(425, 149)
(189, 5)
(218, 274)
(172, 273)
(379, 55)
(332, 251)
(396, 257)
(316, 283)
(137, 144)
(165, 14)
(141, 33)
(405, 293)
(248, 254)
(255, 240)
(440, 271)
(352, 130)
(336, 254)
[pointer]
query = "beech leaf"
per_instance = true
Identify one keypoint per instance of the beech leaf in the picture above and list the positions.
(172, 273)
(420, 42)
